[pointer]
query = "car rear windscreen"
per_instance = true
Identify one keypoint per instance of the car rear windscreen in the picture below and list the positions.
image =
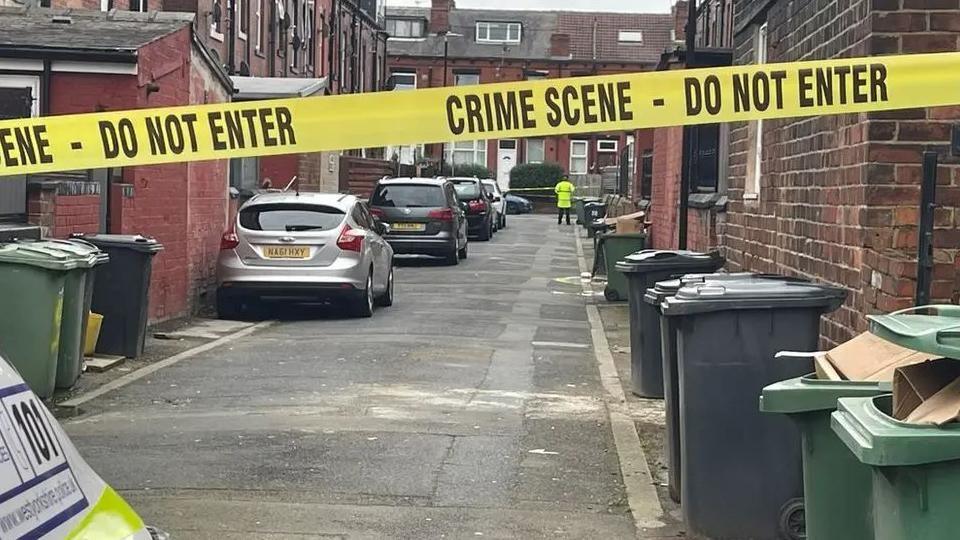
(467, 190)
(408, 196)
(290, 217)
(489, 189)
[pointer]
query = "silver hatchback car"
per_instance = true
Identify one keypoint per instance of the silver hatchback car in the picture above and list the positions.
(306, 246)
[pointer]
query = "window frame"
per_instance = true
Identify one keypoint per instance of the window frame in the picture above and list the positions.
(487, 25)
(458, 74)
(646, 175)
(404, 72)
(630, 36)
(585, 156)
(415, 25)
(478, 152)
(543, 150)
(241, 12)
(258, 15)
(602, 150)
(216, 27)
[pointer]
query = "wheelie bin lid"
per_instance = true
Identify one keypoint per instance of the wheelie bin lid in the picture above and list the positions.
(654, 260)
(808, 393)
(136, 242)
(39, 254)
(876, 438)
(933, 329)
(752, 293)
(89, 254)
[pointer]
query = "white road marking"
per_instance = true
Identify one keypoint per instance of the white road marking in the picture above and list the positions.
(138, 374)
(637, 481)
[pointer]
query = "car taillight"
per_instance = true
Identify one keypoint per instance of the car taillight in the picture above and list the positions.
(444, 214)
(377, 212)
(476, 206)
(350, 239)
(229, 240)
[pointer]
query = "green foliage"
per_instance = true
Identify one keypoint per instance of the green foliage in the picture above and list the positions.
(535, 175)
(470, 169)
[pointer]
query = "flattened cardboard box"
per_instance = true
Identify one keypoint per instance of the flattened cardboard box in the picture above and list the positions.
(631, 223)
(927, 393)
(871, 358)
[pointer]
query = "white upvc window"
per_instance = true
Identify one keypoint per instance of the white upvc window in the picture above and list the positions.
(404, 80)
(466, 153)
(258, 32)
(751, 188)
(405, 28)
(578, 156)
(216, 20)
(241, 14)
(607, 146)
(466, 79)
(536, 150)
(498, 32)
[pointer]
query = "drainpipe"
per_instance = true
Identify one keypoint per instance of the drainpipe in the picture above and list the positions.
(272, 34)
(594, 39)
(232, 38)
(688, 132)
(45, 89)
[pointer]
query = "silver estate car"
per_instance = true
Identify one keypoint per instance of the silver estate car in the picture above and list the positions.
(307, 246)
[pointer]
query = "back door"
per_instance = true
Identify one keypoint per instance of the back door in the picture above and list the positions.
(289, 234)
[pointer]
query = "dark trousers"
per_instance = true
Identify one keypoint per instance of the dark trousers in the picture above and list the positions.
(561, 212)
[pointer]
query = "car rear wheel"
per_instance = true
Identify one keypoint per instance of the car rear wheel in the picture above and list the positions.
(363, 304)
(462, 253)
(503, 221)
(453, 258)
(386, 299)
(486, 233)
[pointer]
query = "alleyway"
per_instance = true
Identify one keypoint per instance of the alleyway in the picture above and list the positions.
(471, 408)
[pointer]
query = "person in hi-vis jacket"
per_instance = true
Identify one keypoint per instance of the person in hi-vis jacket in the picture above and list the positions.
(564, 190)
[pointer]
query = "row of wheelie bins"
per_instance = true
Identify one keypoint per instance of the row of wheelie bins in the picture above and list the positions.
(49, 289)
(757, 447)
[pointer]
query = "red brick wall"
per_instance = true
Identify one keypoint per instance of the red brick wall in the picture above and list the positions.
(182, 205)
(667, 161)
(839, 195)
(280, 169)
(60, 215)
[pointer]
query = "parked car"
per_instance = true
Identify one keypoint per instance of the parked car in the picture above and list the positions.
(478, 206)
(498, 202)
(50, 492)
(308, 246)
(517, 204)
(424, 217)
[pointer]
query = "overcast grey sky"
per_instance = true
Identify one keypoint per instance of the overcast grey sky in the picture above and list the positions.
(640, 6)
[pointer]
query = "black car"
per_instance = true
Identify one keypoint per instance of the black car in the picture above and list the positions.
(423, 217)
(517, 204)
(478, 206)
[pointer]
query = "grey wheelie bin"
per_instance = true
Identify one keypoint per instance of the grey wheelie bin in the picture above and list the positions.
(32, 283)
(741, 469)
(122, 291)
(642, 270)
(578, 204)
(77, 298)
(668, 355)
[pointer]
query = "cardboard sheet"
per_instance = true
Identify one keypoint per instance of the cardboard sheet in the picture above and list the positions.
(928, 392)
(870, 358)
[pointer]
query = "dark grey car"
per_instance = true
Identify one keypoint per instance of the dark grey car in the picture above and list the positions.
(423, 215)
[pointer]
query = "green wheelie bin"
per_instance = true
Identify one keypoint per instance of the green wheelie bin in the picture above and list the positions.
(615, 247)
(77, 297)
(915, 467)
(32, 283)
(837, 488)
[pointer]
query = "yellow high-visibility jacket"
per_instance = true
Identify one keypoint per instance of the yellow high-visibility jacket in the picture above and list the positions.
(564, 190)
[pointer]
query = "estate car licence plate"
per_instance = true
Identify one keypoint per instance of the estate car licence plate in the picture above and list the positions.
(286, 252)
(409, 226)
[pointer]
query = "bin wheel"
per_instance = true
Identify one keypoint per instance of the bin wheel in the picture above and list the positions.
(793, 525)
(610, 294)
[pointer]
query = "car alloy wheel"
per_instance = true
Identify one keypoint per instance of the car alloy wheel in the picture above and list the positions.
(386, 299)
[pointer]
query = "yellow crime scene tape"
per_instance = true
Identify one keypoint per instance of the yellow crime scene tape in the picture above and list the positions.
(518, 109)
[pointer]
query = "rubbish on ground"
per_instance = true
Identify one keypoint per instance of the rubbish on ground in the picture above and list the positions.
(542, 452)
(98, 363)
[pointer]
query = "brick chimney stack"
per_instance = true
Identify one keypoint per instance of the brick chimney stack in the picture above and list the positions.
(440, 16)
(560, 45)
(679, 11)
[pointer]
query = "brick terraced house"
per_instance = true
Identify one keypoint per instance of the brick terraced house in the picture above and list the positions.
(445, 45)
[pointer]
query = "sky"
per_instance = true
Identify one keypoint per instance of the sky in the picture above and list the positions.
(640, 6)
